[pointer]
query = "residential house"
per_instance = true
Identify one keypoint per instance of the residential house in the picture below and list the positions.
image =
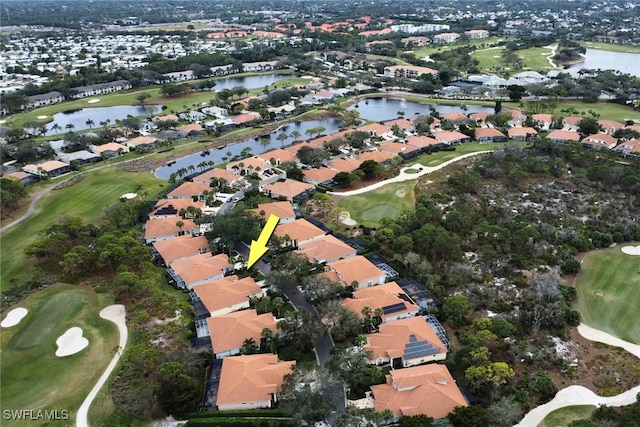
(227, 294)
(377, 156)
(245, 118)
(454, 117)
(356, 270)
(451, 137)
(142, 142)
(600, 140)
(610, 126)
(188, 190)
(480, 117)
(198, 270)
(23, 177)
(223, 70)
(390, 297)
(489, 135)
(420, 390)
(217, 173)
(346, 164)
(288, 189)
(110, 149)
(422, 142)
(50, 168)
(48, 98)
(560, 135)
(320, 175)
(251, 382)
(259, 66)
(171, 208)
(192, 116)
(402, 124)
(572, 123)
(278, 156)
(283, 210)
(397, 148)
(248, 166)
(99, 89)
(229, 331)
(476, 34)
(181, 247)
(446, 38)
(408, 71)
(544, 120)
(168, 228)
(298, 232)
(518, 133)
(630, 148)
(415, 41)
(325, 249)
(81, 157)
(405, 342)
(179, 76)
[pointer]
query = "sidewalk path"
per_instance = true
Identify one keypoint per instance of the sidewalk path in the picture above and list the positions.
(115, 313)
(579, 395)
(403, 176)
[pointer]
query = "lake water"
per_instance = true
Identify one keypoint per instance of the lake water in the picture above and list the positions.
(627, 63)
(270, 142)
(381, 109)
(251, 82)
(78, 118)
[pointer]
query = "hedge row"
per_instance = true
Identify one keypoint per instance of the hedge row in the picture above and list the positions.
(250, 413)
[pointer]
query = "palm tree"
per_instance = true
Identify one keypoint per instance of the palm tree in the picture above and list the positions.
(180, 224)
(277, 303)
(56, 127)
(282, 138)
(249, 346)
(89, 123)
(191, 168)
(69, 126)
(295, 135)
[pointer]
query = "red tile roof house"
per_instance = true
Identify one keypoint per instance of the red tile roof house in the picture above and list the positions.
(630, 148)
(405, 342)
(376, 129)
(188, 190)
(610, 126)
(346, 164)
(422, 142)
(251, 382)
(50, 168)
(227, 294)
(229, 331)
(572, 122)
(396, 148)
(248, 165)
(420, 390)
(217, 173)
(181, 247)
(559, 136)
(481, 117)
(278, 156)
(390, 297)
(200, 269)
(523, 133)
(111, 149)
(326, 249)
(454, 117)
(544, 120)
(288, 189)
(166, 228)
(600, 140)
(489, 135)
(317, 176)
(298, 232)
(143, 142)
(356, 270)
(451, 137)
(404, 124)
(377, 156)
(170, 208)
(283, 210)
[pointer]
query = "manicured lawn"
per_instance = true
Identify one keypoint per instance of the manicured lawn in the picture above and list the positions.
(411, 171)
(564, 416)
(609, 292)
(625, 48)
(443, 156)
(608, 111)
(480, 44)
(86, 199)
(32, 376)
(391, 200)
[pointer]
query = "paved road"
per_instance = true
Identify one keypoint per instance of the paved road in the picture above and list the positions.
(32, 207)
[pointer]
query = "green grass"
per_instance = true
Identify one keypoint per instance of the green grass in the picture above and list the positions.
(609, 292)
(623, 48)
(85, 199)
(564, 416)
(32, 376)
(391, 200)
(444, 156)
(411, 171)
(607, 111)
(433, 48)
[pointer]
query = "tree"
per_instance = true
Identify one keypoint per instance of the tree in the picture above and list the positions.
(142, 96)
(282, 138)
(351, 365)
(179, 393)
(457, 309)
(312, 156)
(516, 92)
(295, 135)
(415, 421)
(249, 346)
(506, 412)
(353, 416)
(469, 416)
(11, 192)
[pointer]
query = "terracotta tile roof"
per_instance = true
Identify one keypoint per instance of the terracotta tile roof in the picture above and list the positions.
(392, 339)
(181, 247)
(488, 133)
(228, 291)
(161, 227)
(631, 146)
(543, 118)
(396, 147)
(195, 127)
(402, 124)
(201, 267)
(244, 118)
(600, 140)
(572, 120)
(453, 116)
(217, 173)
(325, 249)
(481, 116)
(289, 188)
(428, 389)
(450, 136)
(251, 378)
(293, 149)
(422, 141)
(299, 230)
(610, 126)
(254, 162)
(279, 155)
(633, 127)
(317, 175)
(167, 118)
(282, 210)
(521, 131)
(142, 140)
(376, 156)
(188, 189)
(375, 129)
(228, 331)
(357, 269)
(164, 207)
(110, 146)
(564, 135)
(382, 296)
(326, 138)
(345, 165)
(48, 166)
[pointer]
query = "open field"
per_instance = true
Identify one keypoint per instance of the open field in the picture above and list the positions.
(32, 376)
(608, 111)
(444, 156)
(433, 48)
(391, 200)
(624, 48)
(85, 199)
(609, 292)
(564, 416)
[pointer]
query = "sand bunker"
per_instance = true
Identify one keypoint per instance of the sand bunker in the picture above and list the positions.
(93, 101)
(129, 196)
(71, 342)
(42, 117)
(14, 317)
(631, 250)
(345, 218)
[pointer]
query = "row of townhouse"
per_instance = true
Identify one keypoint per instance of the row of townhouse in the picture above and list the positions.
(220, 70)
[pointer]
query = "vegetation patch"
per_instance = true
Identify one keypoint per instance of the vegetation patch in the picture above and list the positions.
(391, 200)
(564, 416)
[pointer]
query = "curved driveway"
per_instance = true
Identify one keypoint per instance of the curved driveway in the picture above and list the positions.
(117, 314)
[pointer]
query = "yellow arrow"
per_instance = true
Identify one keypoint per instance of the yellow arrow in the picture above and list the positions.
(259, 247)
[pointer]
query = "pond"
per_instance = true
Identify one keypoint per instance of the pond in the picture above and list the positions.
(78, 118)
(257, 145)
(381, 109)
(594, 59)
(251, 82)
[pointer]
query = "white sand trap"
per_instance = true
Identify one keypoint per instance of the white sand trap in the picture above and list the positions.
(42, 117)
(129, 196)
(631, 250)
(93, 101)
(345, 218)
(14, 317)
(71, 342)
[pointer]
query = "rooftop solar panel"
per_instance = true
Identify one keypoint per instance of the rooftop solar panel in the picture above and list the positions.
(394, 308)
